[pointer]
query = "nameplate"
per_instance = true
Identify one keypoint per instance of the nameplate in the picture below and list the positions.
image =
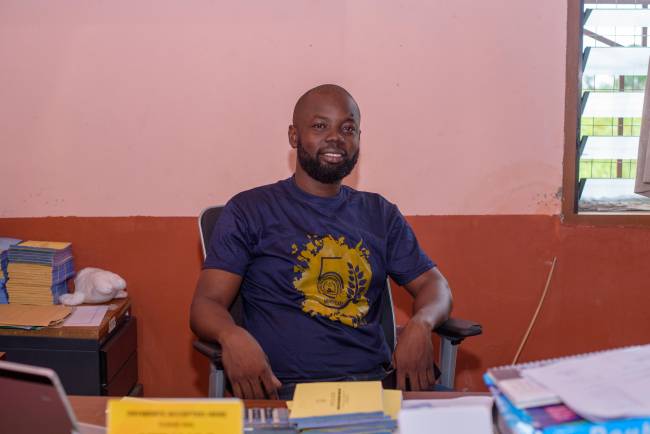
(187, 416)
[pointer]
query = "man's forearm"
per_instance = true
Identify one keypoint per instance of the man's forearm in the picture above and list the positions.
(432, 303)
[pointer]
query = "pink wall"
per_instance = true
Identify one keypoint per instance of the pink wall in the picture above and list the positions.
(159, 107)
(134, 107)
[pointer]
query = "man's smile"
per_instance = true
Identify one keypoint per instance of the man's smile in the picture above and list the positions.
(332, 157)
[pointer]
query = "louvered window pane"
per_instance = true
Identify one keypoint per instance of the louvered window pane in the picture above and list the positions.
(613, 104)
(611, 61)
(604, 148)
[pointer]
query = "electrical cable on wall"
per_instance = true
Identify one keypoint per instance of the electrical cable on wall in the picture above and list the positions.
(539, 307)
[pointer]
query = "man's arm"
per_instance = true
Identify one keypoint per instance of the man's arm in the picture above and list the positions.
(243, 359)
(413, 356)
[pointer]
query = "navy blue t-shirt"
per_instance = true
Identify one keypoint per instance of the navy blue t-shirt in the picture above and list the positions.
(313, 269)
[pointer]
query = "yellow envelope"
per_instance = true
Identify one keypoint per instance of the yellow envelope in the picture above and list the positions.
(29, 316)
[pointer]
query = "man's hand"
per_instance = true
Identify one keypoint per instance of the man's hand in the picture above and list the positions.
(413, 357)
(243, 359)
(247, 367)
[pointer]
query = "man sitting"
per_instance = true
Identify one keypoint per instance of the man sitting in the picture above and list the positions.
(310, 257)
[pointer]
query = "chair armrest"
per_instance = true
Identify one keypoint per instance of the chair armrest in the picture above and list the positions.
(211, 350)
(457, 329)
(454, 329)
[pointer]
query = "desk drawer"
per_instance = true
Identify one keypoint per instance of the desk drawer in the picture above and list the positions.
(124, 380)
(118, 350)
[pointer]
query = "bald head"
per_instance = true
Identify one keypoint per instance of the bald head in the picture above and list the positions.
(328, 91)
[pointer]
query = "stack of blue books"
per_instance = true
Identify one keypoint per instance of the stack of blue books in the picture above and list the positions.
(359, 423)
(5, 243)
(39, 272)
(3, 277)
(524, 407)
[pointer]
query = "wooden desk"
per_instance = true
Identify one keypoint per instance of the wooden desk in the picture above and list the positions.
(89, 360)
(92, 409)
(118, 308)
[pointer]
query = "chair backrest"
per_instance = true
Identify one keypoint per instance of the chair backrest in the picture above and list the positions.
(207, 220)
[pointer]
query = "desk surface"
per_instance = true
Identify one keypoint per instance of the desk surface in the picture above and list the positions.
(117, 308)
(92, 409)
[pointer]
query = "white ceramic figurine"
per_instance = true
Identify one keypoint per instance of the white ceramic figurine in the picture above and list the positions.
(93, 285)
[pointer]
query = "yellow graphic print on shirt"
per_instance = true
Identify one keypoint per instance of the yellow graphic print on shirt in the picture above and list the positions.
(334, 278)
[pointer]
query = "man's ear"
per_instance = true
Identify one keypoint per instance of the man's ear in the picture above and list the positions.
(293, 136)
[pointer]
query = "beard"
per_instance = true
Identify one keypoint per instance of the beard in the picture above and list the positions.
(323, 172)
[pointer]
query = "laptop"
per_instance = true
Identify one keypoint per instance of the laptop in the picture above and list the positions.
(32, 400)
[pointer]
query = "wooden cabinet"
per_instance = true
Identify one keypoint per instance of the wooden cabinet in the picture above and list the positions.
(99, 360)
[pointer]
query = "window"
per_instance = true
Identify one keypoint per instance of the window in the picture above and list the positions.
(612, 65)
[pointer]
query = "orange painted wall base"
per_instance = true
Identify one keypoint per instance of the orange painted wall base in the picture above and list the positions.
(497, 267)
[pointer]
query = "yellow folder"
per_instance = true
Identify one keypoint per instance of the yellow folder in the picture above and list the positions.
(337, 398)
(54, 245)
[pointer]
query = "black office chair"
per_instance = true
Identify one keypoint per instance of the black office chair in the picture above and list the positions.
(451, 332)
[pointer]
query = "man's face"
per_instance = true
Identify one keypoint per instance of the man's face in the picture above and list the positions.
(326, 136)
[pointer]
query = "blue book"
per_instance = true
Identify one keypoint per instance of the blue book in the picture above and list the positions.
(5, 243)
(559, 419)
(341, 420)
(4, 261)
(381, 426)
(4, 299)
(58, 290)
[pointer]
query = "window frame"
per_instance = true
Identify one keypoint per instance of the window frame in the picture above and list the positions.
(569, 211)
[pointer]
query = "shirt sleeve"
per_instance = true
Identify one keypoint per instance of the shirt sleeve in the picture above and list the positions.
(405, 259)
(231, 243)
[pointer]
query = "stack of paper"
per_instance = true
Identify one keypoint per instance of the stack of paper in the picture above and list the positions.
(603, 392)
(86, 316)
(4, 260)
(468, 414)
(602, 386)
(342, 407)
(39, 271)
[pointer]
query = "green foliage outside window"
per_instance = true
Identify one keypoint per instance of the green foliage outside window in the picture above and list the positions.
(609, 127)
(592, 169)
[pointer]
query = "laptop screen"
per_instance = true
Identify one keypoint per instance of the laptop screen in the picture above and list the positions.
(30, 401)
